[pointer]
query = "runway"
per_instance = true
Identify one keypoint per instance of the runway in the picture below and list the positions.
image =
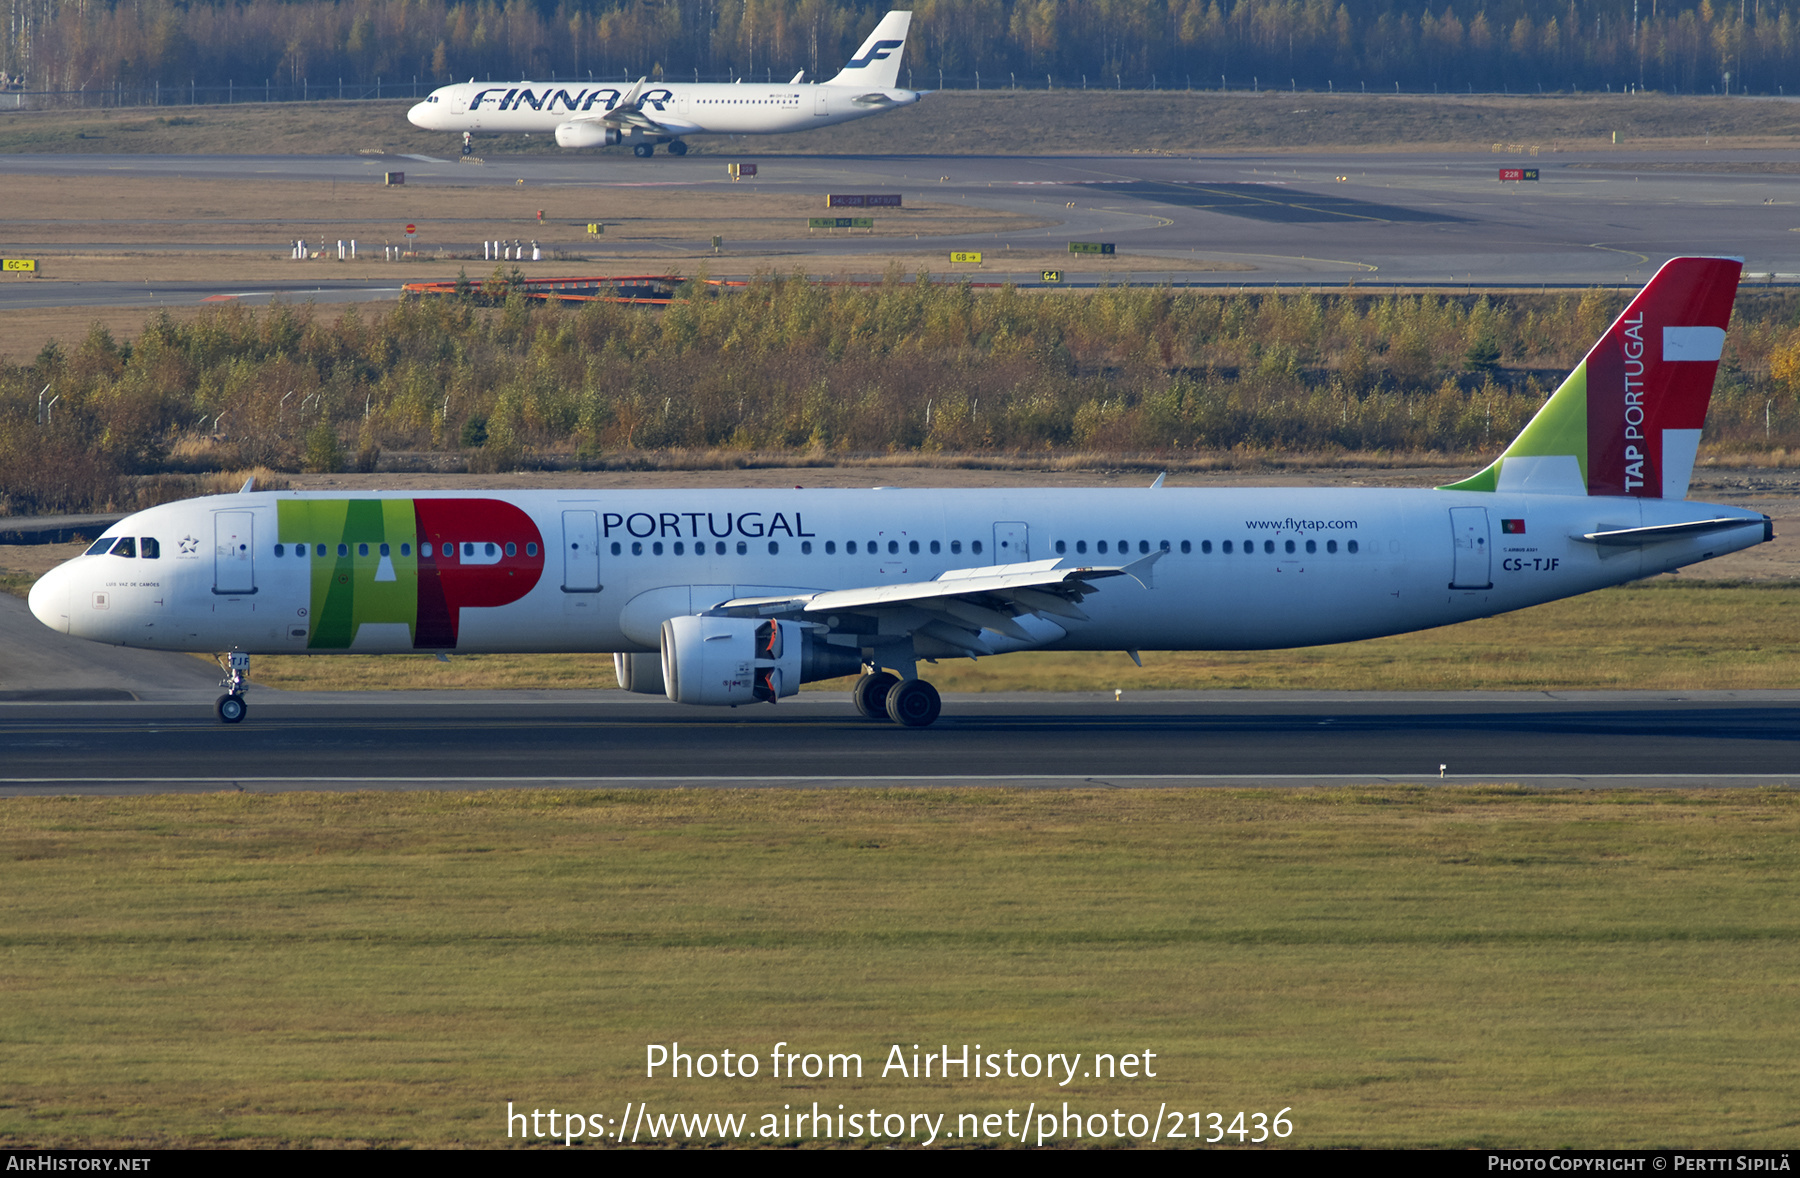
(1432, 219)
(608, 739)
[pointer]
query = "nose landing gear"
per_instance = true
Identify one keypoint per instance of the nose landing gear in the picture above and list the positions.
(231, 707)
(468, 147)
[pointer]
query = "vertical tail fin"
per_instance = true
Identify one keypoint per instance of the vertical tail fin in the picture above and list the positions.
(876, 65)
(1627, 420)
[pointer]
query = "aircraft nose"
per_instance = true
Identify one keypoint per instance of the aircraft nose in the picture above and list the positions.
(49, 599)
(417, 115)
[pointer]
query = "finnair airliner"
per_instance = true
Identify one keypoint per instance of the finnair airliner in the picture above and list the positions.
(645, 115)
(739, 596)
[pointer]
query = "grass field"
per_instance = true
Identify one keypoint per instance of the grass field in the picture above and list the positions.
(1004, 122)
(1396, 966)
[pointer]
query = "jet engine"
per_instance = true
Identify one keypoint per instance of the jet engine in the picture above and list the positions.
(708, 660)
(641, 673)
(586, 133)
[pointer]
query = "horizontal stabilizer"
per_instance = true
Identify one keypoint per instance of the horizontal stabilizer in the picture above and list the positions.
(1650, 535)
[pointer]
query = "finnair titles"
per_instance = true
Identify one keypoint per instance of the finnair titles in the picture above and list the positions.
(729, 597)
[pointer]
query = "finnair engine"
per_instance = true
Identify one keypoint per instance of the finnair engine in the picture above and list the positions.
(586, 133)
(708, 660)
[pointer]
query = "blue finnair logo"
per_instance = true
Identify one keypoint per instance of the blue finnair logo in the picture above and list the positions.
(878, 52)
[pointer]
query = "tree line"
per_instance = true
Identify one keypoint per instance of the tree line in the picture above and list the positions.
(1517, 45)
(789, 367)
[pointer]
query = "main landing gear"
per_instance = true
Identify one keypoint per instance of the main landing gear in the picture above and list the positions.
(231, 706)
(678, 148)
(644, 150)
(912, 703)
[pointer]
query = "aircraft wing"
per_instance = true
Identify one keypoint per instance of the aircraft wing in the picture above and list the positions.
(1015, 601)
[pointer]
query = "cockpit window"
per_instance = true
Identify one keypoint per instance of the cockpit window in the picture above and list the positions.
(101, 546)
(127, 546)
(149, 549)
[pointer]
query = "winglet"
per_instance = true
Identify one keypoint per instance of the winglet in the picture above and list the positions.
(249, 486)
(1159, 481)
(1139, 569)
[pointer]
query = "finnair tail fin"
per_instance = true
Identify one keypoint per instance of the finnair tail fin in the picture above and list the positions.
(1627, 421)
(876, 65)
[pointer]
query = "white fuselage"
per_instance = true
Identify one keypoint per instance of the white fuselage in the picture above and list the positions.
(679, 108)
(601, 570)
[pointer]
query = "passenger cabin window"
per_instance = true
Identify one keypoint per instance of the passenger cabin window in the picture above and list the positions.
(319, 551)
(1351, 546)
(1062, 546)
(1312, 545)
(850, 547)
(956, 546)
(1100, 547)
(935, 547)
(1081, 546)
(975, 547)
(1290, 545)
(530, 550)
(893, 547)
(1226, 548)
(281, 550)
(806, 547)
(774, 548)
(831, 548)
(1331, 545)
(343, 550)
(743, 548)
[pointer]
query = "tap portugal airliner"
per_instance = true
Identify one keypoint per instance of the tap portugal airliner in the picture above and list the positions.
(645, 115)
(738, 596)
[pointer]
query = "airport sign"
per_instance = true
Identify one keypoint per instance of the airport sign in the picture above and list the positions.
(965, 256)
(19, 265)
(1518, 174)
(890, 200)
(840, 222)
(1090, 247)
(1053, 276)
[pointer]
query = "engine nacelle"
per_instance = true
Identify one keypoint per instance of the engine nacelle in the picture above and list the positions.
(586, 133)
(707, 660)
(641, 673)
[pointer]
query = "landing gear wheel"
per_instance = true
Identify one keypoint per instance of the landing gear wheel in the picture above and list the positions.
(913, 703)
(870, 694)
(644, 150)
(678, 148)
(231, 708)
